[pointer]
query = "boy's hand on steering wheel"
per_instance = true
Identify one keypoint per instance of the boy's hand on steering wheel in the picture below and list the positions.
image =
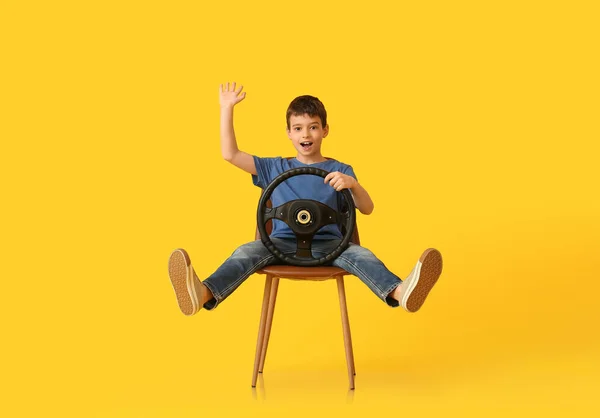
(229, 96)
(340, 181)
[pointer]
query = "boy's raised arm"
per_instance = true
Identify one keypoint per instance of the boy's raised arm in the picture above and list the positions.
(228, 98)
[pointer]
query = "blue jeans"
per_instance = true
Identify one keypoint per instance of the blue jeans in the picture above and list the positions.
(253, 256)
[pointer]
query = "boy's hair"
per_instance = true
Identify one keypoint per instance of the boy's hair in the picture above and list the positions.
(307, 105)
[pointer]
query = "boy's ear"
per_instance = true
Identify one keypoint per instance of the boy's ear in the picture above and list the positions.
(288, 133)
(326, 130)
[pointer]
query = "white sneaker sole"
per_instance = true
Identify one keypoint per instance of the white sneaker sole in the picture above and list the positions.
(421, 280)
(182, 275)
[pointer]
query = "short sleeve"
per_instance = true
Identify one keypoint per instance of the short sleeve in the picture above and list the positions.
(265, 169)
(349, 171)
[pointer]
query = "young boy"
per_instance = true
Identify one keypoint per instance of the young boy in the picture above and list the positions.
(306, 128)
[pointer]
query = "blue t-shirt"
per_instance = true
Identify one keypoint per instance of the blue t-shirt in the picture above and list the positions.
(304, 186)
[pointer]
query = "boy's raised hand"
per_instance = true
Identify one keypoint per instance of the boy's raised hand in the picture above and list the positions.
(229, 96)
(339, 181)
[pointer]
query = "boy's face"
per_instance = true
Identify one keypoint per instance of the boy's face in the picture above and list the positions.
(306, 134)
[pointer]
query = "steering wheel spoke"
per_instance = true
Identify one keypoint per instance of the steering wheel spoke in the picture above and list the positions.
(304, 246)
(280, 212)
(328, 216)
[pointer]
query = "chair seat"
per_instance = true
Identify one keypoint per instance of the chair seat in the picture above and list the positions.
(303, 273)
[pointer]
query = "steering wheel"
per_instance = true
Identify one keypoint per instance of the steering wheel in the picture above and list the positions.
(305, 217)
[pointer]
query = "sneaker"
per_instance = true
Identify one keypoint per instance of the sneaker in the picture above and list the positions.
(182, 277)
(421, 279)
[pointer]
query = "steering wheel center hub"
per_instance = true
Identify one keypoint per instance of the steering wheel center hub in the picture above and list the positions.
(304, 217)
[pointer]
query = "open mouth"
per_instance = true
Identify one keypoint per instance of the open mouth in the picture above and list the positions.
(306, 145)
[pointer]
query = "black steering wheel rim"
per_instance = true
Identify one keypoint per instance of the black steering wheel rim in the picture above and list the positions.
(348, 220)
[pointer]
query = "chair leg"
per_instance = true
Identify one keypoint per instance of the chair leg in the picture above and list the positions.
(346, 328)
(270, 311)
(261, 328)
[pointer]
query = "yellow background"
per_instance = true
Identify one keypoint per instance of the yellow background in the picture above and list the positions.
(473, 125)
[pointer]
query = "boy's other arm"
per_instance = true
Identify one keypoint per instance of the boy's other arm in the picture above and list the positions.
(229, 97)
(362, 200)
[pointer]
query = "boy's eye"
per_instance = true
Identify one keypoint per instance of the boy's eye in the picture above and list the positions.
(313, 127)
(296, 129)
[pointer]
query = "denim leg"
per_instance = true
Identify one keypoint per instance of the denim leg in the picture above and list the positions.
(244, 261)
(363, 264)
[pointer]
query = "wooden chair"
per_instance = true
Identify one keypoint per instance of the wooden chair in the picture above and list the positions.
(273, 274)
